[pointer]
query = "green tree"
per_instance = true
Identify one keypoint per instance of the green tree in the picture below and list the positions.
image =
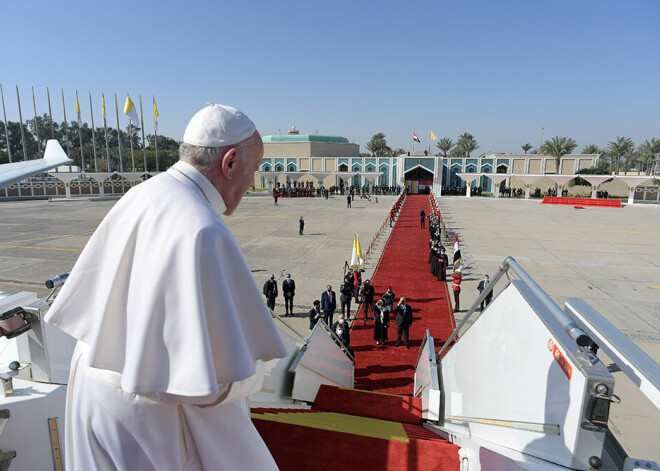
(466, 144)
(397, 152)
(591, 149)
(557, 147)
(651, 149)
(526, 147)
(445, 145)
(619, 148)
(377, 145)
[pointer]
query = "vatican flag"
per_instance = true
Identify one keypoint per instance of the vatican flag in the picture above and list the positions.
(433, 138)
(129, 109)
(356, 257)
(103, 106)
(156, 115)
(78, 110)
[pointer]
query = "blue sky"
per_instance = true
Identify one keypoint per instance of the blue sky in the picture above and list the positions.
(499, 70)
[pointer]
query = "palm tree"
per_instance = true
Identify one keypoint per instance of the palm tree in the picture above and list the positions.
(377, 145)
(526, 147)
(397, 152)
(445, 145)
(591, 149)
(558, 147)
(466, 144)
(618, 148)
(651, 148)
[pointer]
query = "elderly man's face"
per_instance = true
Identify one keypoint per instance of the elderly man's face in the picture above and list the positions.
(243, 173)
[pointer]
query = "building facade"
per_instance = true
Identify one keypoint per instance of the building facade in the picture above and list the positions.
(417, 171)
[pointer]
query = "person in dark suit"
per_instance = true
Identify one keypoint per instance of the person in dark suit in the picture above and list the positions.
(348, 201)
(314, 314)
(301, 225)
(403, 322)
(483, 284)
(342, 331)
(346, 295)
(422, 218)
(270, 291)
(381, 321)
(328, 304)
(289, 291)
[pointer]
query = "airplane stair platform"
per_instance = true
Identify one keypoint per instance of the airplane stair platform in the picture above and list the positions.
(354, 429)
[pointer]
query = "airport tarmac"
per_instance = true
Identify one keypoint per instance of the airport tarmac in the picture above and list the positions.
(610, 257)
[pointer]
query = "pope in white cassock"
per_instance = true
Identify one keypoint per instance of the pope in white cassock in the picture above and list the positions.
(172, 330)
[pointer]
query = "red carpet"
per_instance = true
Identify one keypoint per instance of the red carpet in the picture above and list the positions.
(406, 409)
(299, 441)
(404, 266)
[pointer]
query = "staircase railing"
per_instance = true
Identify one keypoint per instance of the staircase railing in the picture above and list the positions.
(426, 362)
(510, 265)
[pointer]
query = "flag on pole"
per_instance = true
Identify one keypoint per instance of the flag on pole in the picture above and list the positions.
(156, 115)
(415, 138)
(433, 138)
(129, 109)
(78, 110)
(103, 106)
(457, 253)
(356, 257)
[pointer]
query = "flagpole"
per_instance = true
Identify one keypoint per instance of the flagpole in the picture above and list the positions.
(50, 113)
(105, 128)
(144, 150)
(4, 113)
(91, 110)
(130, 137)
(156, 135)
(82, 156)
(66, 129)
(121, 160)
(20, 114)
(36, 124)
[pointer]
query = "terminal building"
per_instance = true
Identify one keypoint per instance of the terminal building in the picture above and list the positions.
(322, 158)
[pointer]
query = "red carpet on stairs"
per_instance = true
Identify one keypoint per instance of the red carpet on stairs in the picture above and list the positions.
(406, 409)
(404, 266)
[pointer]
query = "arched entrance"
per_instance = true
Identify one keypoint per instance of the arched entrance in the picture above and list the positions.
(502, 169)
(343, 181)
(418, 180)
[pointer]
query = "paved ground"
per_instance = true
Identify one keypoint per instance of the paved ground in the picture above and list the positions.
(607, 256)
(611, 257)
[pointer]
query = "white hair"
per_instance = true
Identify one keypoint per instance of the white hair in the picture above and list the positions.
(204, 158)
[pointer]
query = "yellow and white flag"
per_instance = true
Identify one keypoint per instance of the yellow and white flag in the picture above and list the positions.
(78, 110)
(356, 257)
(129, 109)
(156, 115)
(103, 105)
(433, 138)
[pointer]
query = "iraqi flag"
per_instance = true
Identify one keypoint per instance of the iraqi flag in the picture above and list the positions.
(457, 253)
(415, 138)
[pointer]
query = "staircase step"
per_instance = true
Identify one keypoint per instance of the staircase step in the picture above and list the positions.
(299, 448)
(391, 407)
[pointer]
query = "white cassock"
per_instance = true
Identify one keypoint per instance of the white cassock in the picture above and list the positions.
(172, 332)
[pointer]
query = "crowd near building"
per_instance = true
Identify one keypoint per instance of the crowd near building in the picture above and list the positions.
(296, 160)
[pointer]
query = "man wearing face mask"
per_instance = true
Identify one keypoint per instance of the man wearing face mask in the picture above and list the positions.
(403, 321)
(289, 291)
(483, 284)
(328, 304)
(342, 331)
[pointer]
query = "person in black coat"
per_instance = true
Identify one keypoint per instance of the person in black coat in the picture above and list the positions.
(403, 322)
(342, 331)
(289, 291)
(301, 225)
(381, 322)
(367, 293)
(422, 218)
(314, 314)
(346, 295)
(270, 291)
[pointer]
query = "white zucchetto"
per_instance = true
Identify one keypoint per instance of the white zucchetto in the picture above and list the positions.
(218, 126)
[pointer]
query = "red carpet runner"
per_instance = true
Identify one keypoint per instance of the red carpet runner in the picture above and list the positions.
(404, 266)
